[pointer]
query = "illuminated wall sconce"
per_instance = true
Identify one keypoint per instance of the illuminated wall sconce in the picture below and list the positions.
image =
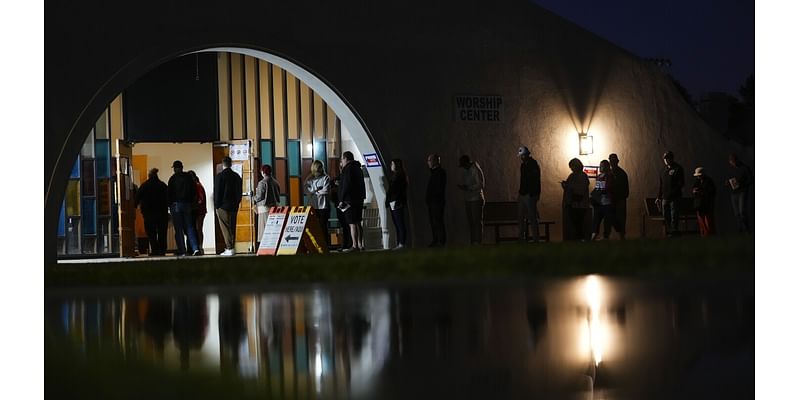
(585, 144)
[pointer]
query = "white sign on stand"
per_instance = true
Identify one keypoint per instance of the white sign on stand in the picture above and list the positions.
(293, 233)
(272, 231)
(240, 152)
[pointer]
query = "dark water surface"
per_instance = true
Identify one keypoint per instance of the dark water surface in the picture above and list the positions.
(574, 338)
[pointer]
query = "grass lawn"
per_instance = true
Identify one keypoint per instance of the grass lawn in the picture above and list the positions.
(716, 257)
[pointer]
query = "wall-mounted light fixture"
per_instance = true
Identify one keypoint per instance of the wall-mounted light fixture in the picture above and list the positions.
(585, 144)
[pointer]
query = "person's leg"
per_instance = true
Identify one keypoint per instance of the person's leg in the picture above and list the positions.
(608, 220)
(162, 223)
(232, 216)
(522, 213)
(150, 230)
(621, 217)
(396, 222)
(198, 228)
(711, 223)
(324, 215)
(479, 216)
(701, 224)
(354, 235)
(597, 217)
(401, 226)
(189, 227)
(577, 215)
(666, 207)
(468, 210)
(674, 215)
(742, 212)
(440, 223)
(223, 218)
(179, 224)
(534, 218)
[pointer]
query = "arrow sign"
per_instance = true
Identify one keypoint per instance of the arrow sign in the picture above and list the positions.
(290, 238)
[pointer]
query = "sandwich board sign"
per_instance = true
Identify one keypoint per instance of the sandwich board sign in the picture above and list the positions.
(276, 220)
(302, 233)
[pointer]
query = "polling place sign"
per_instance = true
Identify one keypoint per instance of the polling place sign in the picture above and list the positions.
(472, 108)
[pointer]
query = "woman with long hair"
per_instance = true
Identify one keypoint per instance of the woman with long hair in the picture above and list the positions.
(199, 210)
(318, 188)
(396, 200)
(267, 195)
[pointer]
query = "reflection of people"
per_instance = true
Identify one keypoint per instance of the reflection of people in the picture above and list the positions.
(530, 187)
(182, 194)
(318, 187)
(227, 196)
(352, 193)
(189, 325)
(158, 321)
(231, 327)
(576, 198)
(152, 199)
(704, 192)
(199, 210)
(435, 199)
(670, 191)
(396, 200)
(471, 185)
(267, 195)
(739, 181)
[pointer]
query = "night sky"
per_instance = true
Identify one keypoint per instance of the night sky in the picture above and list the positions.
(711, 42)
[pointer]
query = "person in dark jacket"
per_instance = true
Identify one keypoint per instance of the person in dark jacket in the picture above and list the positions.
(396, 200)
(670, 191)
(704, 192)
(352, 193)
(151, 198)
(435, 199)
(227, 196)
(739, 181)
(199, 210)
(182, 195)
(347, 240)
(621, 193)
(530, 188)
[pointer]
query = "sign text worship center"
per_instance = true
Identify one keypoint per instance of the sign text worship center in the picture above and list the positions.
(479, 108)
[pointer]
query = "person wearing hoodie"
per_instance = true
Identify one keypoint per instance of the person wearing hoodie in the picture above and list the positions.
(352, 193)
(471, 186)
(152, 199)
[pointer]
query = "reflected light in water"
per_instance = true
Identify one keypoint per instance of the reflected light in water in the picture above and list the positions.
(597, 329)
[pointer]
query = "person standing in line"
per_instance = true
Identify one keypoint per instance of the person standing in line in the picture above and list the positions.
(318, 187)
(347, 240)
(396, 200)
(182, 195)
(621, 193)
(739, 181)
(472, 184)
(670, 191)
(352, 193)
(576, 197)
(227, 197)
(530, 188)
(603, 201)
(199, 210)
(152, 200)
(267, 195)
(704, 193)
(435, 199)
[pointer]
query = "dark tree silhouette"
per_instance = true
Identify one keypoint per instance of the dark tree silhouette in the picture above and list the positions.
(742, 121)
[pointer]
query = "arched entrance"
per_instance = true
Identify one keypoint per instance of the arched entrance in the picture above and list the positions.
(354, 135)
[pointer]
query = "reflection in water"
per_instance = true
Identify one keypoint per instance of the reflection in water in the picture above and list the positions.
(446, 342)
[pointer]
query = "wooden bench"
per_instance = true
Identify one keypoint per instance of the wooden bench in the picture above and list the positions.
(686, 213)
(504, 213)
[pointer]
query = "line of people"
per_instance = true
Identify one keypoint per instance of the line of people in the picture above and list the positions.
(184, 199)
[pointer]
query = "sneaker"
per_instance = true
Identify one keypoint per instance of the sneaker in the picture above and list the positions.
(180, 255)
(399, 247)
(350, 250)
(196, 253)
(227, 252)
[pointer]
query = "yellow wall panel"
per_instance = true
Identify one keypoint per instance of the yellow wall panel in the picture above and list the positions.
(265, 101)
(306, 97)
(292, 112)
(278, 111)
(319, 117)
(237, 97)
(251, 91)
(295, 196)
(223, 67)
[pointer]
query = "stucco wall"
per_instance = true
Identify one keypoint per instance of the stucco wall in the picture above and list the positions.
(398, 67)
